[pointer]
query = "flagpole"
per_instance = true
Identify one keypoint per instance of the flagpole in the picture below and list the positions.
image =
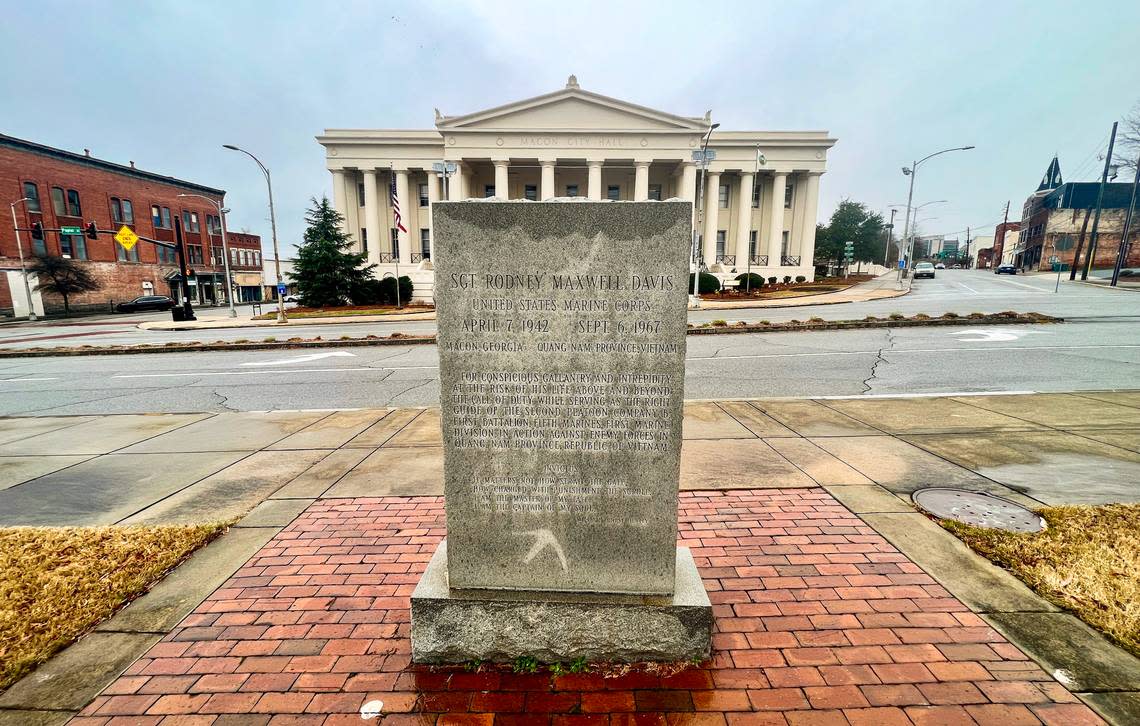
(395, 257)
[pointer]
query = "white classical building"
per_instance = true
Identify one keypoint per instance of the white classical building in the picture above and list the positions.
(761, 191)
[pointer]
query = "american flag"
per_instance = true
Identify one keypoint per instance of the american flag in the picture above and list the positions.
(396, 207)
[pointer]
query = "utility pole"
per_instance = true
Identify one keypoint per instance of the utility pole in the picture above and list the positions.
(1122, 252)
(696, 300)
(890, 233)
(967, 265)
(1090, 256)
(23, 268)
(187, 308)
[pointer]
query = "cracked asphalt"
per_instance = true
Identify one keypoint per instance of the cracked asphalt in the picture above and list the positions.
(1088, 355)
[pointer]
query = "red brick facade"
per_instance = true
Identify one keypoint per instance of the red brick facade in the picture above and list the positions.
(75, 189)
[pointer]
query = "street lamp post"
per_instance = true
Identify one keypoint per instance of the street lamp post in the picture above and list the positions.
(890, 232)
(696, 301)
(225, 249)
(273, 226)
(20, 252)
(911, 171)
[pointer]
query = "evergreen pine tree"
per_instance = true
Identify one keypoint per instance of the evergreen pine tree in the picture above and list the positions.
(326, 271)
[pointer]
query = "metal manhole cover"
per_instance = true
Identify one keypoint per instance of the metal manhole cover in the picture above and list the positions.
(978, 509)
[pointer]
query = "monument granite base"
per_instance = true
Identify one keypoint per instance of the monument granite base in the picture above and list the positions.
(456, 626)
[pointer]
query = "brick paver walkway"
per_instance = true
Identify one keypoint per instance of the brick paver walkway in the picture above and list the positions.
(819, 621)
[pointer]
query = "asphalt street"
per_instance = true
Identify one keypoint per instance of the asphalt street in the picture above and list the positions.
(1100, 354)
(960, 291)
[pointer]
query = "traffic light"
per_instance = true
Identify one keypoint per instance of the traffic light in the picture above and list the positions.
(37, 231)
(92, 231)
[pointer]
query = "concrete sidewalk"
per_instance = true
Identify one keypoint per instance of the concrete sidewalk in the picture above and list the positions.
(881, 288)
(836, 601)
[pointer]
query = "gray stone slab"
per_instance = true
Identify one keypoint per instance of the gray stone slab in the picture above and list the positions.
(755, 420)
(562, 346)
(399, 472)
(333, 431)
(107, 489)
(1062, 410)
(232, 492)
(14, 429)
(1120, 707)
(423, 430)
(1054, 467)
(869, 499)
(177, 594)
(248, 431)
(707, 420)
(811, 418)
(77, 674)
(102, 435)
(979, 584)
(378, 433)
(19, 469)
(821, 466)
(451, 626)
(317, 479)
(1124, 439)
(24, 717)
(1061, 642)
(737, 464)
(926, 415)
(274, 513)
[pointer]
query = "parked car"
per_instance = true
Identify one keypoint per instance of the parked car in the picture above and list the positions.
(146, 302)
(940, 266)
(1005, 270)
(924, 269)
(293, 298)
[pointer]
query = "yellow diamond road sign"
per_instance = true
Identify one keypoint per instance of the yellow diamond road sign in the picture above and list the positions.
(126, 237)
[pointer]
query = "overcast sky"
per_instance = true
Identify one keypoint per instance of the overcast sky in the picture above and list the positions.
(166, 83)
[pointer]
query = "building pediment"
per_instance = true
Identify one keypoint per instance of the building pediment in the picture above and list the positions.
(571, 109)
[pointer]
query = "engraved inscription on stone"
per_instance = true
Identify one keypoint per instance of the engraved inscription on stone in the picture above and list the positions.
(562, 347)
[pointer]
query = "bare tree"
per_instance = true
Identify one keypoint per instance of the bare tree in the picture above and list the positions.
(1129, 139)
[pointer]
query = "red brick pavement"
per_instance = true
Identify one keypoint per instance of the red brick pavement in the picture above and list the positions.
(818, 621)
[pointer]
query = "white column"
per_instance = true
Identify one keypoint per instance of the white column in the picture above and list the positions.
(501, 190)
(338, 194)
(806, 249)
(372, 227)
(454, 188)
(640, 181)
(712, 215)
(688, 190)
(404, 238)
(433, 197)
(775, 232)
(743, 219)
(547, 191)
(594, 180)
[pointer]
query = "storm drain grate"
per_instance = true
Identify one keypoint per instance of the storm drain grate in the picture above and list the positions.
(978, 509)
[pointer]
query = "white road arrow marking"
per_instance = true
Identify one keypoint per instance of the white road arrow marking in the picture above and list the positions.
(544, 538)
(994, 336)
(301, 359)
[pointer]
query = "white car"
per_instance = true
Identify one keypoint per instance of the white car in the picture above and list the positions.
(924, 269)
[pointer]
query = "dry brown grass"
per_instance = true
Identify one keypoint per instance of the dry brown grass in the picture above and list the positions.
(56, 583)
(1087, 561)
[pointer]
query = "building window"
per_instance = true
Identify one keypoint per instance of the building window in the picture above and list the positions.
(655, 192)
(571, 190)
(233, 256)
(194, 253)
(166, 255)
(613, 192)
(425, 243)
(395, 242)
(32, 194)
(74, 246)
(123, 255)
(257, 258)
(752, 243)
(190, 221)
(216, 256)
(122, 212)
(789, 190)
(363, 241)
(423, 195)
(73, 208)
(360, 194)
(723, 196)
(720, 241)
(784, 245)
(213, 224)
(756, 194)
(39, 247)
(57, 204)
(488, 191)
(160, 216)
(530, 191)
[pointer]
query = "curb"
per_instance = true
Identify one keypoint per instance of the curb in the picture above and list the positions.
(807, 326)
